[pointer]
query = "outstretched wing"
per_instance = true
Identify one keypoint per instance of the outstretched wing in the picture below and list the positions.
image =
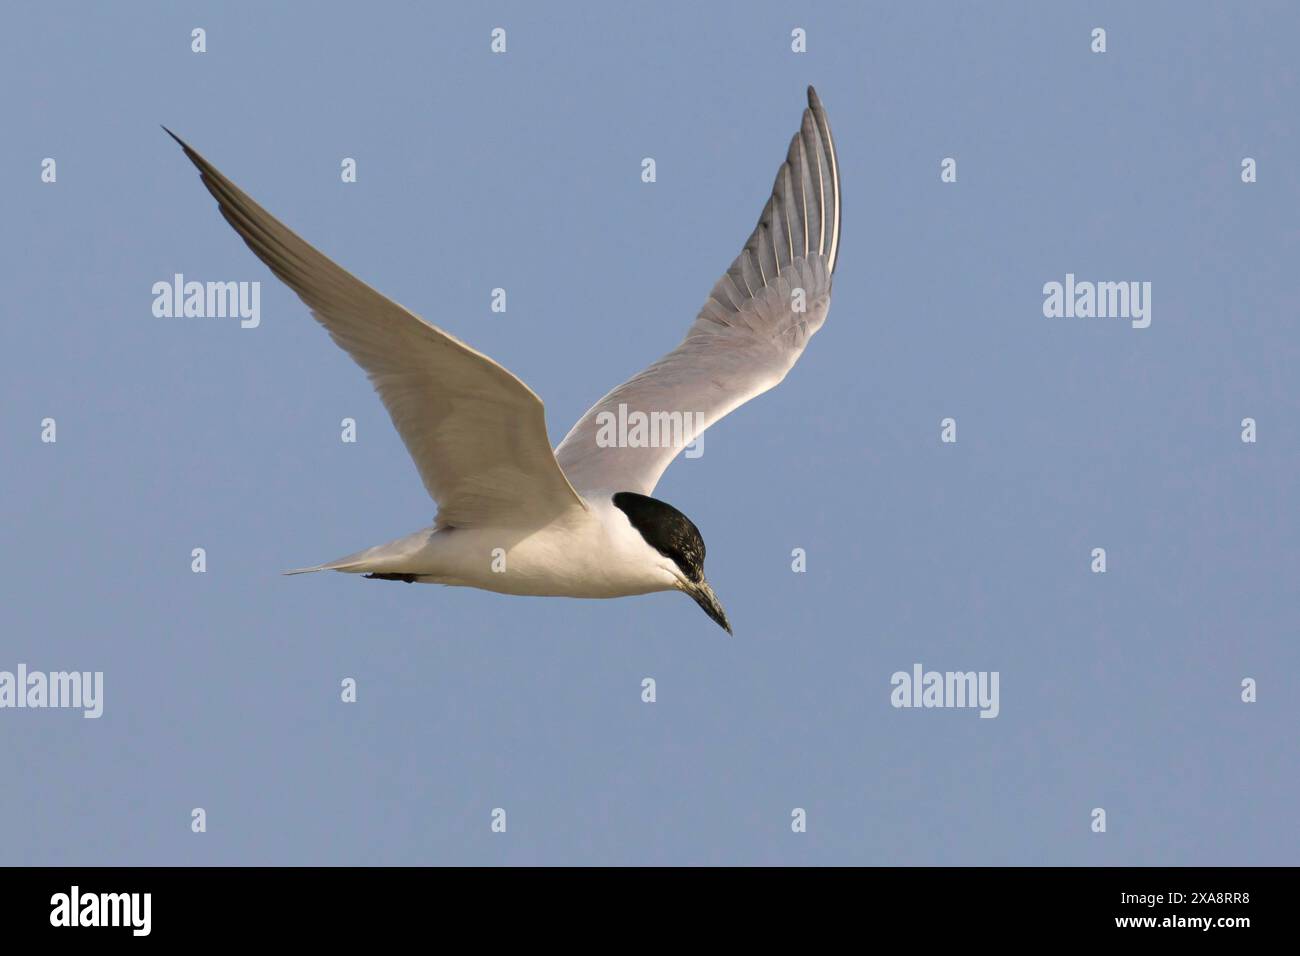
(752, 329)
(476, 433)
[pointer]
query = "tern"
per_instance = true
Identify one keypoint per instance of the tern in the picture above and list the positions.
(513, 516)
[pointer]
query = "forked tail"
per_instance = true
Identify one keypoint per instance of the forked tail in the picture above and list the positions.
(394, 557)
(352, 564)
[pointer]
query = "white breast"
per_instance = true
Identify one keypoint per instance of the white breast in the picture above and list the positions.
(592, 554)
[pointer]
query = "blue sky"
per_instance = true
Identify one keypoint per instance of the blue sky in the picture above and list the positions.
(221, 690)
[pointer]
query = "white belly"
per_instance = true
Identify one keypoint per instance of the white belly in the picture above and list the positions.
(593, 554)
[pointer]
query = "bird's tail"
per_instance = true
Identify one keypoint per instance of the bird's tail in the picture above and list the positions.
(393, 556)
(353, 563)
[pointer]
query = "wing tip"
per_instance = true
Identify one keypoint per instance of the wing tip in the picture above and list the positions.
(180, 142)
(824, 129)
(191, 153)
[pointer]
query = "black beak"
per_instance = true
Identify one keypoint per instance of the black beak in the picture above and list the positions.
(705, 598)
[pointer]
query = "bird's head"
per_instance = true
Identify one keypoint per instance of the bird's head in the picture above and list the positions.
(675, 537)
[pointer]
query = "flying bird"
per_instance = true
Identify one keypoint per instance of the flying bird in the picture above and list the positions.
(514, 516)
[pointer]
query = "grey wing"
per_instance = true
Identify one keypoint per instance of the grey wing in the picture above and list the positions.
(476, 433)
(749, 334)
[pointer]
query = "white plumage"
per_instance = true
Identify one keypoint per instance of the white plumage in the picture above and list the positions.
(513, 516)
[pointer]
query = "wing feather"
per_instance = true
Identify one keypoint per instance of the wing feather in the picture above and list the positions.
(476, 433)
(747, 336)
